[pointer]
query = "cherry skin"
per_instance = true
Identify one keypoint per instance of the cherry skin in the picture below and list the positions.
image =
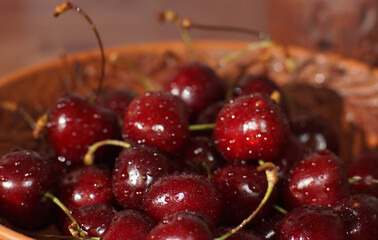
(85, 185)
(181, 225)
(182, 192)
(269, 227)
(93, 219)
(197, 85)
(251, 127)
(128, 224)
(73, 125)
(311, 223)
(24, 176)
(242, 188)
(364, 168)
(242, 234)
(318, 179)
(251, 84)
(157, 119)
(135, 168)
(117, 101)
(200, 154)
(359, 213)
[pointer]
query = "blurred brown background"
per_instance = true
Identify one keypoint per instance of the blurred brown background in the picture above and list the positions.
(30, 35)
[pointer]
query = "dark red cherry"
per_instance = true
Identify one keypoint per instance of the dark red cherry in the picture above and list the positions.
(268, 229)
(201, 156)
(242, 234)
(182, 192)
(242, 188)
(93, 219)
(181, 225)
(24, 177)
(251, 127)
(128, 224)
(318, 179)
(210, 114)
(364, 169)
(74, 125)
(157, 119)
(251, 84)
(117, 101)
(312, 223)
(84, 185)
(315, 133)
(360, 216)
(197, 85)
(135, 168)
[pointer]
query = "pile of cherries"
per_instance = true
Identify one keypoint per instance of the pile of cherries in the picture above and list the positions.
(188, 167)
(191, 161)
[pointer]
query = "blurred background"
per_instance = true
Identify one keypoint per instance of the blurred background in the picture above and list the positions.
(30, 35)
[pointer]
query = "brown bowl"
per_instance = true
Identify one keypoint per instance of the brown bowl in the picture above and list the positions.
(344, 91)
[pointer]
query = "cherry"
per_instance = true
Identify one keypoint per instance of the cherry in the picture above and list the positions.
(201, 156)
(181, 225)
(312, 223)
(135, 168)
(180, 192)
(117, 101)
(197, 85)
(128, 224)
(269, 227)
(359, 214)
(84, 185)
(24, 177)
(251, 127)
(210, 114)
(74, 125)
(318, 179)
(251, 84)
(315, 133)
(157, 119)
(246, 186)
(364, 169)
(239, 235)
(93, 219)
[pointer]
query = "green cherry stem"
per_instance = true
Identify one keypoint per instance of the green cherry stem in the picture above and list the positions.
(272, 178)
(67, 212)
(280, 209)
(64, 7)
(146, 83)
(365, 180)
(199, 127)
(89, 156)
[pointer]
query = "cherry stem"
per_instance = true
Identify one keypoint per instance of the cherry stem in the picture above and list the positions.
(199, 127)
(250, 47)
(89, 156)
(13, 107)
(64, 7)
(66, 211)
(189, 24)
(275, 96)
(115, 57)
(205, 166)
(280, 209)
(40, 125)
(272, 178)
(171, 16)
(365, 180)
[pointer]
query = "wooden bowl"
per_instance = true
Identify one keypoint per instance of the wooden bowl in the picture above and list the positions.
(343, 91)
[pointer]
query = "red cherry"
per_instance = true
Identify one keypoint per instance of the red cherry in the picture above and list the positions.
(181, 225)
(117, 101)
(74, 125)
(251, 84)
(242, 188)
(182, 192)
(251, 127)
(135, 168)
(93, 219)
(24, 176)
(128, 224)
(157, 119)
(318, 179)
(364, 169)
(197, 85)
(311, 223)
(359, 214)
